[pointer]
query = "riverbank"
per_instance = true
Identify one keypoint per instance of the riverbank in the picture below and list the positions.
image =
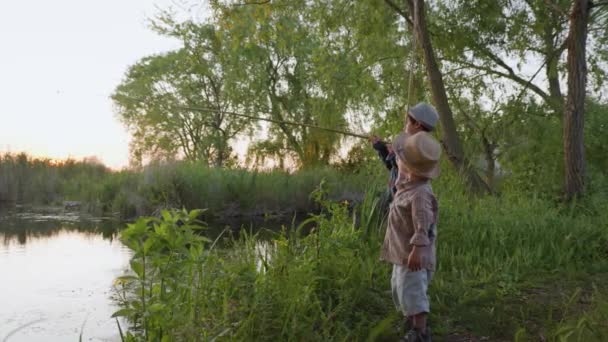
(515, 267)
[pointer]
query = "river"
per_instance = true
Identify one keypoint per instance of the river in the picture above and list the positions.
(57, 272)
(57, 275)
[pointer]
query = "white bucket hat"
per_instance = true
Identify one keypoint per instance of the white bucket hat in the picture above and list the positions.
(420, 152)
(425, 114)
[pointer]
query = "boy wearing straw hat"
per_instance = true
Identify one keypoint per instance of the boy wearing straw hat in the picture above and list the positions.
(409, 243)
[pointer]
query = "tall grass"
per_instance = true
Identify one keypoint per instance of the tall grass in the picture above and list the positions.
(130, 193)
(28, 180)
(292, 287)
(498, 259)
(240, 191)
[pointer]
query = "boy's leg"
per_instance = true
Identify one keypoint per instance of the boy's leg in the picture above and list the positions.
(420, 322)
(416, 299)
(397, 290)
(397, 279)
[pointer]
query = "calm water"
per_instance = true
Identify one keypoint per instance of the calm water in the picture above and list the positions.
(56, 275)
(57, 272)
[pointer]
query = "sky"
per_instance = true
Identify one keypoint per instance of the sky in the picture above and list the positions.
(59, 62)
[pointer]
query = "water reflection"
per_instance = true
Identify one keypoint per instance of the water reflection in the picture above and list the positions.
(20, 227)
(58, 271)
(260, 225)
(57, 279)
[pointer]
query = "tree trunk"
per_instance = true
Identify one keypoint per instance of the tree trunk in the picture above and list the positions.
(553, 52)
(574, 149)
(488, 150)
(219, 159)
(451, 142)
(557, 101)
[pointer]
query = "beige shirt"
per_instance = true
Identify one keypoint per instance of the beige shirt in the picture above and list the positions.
(412, 220)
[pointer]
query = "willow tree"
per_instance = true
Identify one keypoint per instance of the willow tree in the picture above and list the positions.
(335, 64)
(153, 101)
(327, 63)
(274, 67)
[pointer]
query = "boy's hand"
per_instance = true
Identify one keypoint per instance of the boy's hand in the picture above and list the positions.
(414, 260)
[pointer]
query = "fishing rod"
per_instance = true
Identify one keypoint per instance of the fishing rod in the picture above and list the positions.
(252, 117)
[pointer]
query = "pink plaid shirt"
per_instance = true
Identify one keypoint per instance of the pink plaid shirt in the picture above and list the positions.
(412, 221)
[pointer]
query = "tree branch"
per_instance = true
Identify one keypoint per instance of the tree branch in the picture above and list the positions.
(252, 3)
(511, 76)
(401, 12)
(555, 8)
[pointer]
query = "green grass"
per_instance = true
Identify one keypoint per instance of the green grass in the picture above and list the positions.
(512, 267)
(42, 181)
(128, 194)
(519, 266)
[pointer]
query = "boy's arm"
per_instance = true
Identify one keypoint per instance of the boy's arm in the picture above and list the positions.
(380, 147)
(422, 217)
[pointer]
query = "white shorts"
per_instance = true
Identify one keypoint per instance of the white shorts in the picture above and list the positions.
(409, 290)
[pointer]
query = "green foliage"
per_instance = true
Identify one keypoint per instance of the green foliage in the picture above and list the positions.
(487, 43)
(238, 191)
(224, 192)
(128, 194)
(299, 61)
(42, 181)
(281, 65)
(588, 326)
(596, 130)
(165, 251)
(495, 254)
(340, 64)
(291, 287)
(152, 101)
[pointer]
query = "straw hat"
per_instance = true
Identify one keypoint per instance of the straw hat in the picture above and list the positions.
(420, 152)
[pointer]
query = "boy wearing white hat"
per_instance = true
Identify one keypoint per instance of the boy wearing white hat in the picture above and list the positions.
(420, 118)
(409, 243)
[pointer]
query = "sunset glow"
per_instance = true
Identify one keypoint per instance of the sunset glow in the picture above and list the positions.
(58, 69)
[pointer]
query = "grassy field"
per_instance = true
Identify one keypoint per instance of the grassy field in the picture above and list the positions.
(515, 267)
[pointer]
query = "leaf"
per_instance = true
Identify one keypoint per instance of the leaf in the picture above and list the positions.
(123, 313)
(138, 268)
(126, 278)
(194, 214)
(161, 230)
(156, 307)
(166, 215)
(148, 244)
(136, 304)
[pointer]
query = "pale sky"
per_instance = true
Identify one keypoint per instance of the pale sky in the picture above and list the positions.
(59, 62)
